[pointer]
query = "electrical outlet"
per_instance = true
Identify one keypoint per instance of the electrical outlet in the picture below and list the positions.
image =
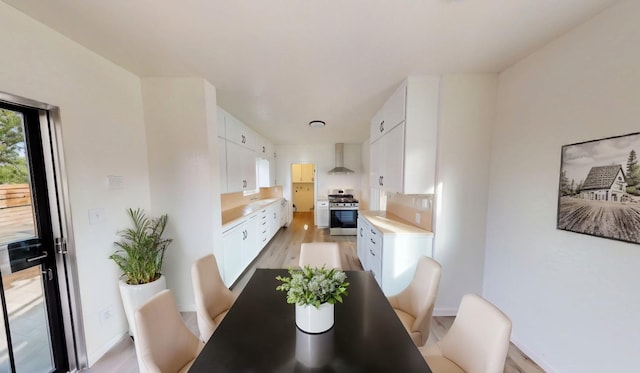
(418, 217)
(106, 314)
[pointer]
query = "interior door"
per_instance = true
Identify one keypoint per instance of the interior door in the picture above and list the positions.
(31, 332)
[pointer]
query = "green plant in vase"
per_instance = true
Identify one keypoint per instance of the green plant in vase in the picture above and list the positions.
(314, 286)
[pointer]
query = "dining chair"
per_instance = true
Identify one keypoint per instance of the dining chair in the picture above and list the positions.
(213, 298)
(414, 305)
(317, 254)
(163, 342)
(477, 341)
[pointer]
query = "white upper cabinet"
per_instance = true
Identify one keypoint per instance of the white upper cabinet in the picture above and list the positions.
(238, 147)
(302, 173)
(240, 134)
(391, 114)
(241, 168)
(387, 154)
(403, 158)
(264, 148)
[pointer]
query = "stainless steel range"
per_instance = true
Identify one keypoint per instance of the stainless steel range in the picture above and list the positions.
(343, 213)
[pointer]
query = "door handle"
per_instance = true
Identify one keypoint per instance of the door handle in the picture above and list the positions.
(33, 259)
(48, 274)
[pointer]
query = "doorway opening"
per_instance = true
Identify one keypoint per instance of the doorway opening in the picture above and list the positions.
(303, 178)
(40, 319)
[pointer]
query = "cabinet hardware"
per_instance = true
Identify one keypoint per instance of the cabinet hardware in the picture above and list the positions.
(264, 150)
(382, 126)
(244, 139)
(381, 180)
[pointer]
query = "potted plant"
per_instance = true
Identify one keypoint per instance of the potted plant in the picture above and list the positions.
(314, 291)
(139, 254)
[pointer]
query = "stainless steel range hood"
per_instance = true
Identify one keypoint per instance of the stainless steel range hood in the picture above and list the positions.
(339, 169)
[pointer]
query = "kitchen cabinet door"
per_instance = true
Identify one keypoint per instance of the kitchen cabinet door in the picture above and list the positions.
(238, 133)
(274, 219)
(387, 161)
(307, 173)
(393, 160)
(272, 172)
(362, 239)
(241, 168)
(284, 212)
(296, 173)
(375, 164)
(264, 148)
(415, 107)
(390, 115)
(232, 242)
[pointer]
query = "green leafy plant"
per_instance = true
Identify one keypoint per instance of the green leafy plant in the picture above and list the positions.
(314, 286)
(140, 251)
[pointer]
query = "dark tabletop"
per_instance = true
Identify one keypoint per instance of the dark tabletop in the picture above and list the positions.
(259, 334)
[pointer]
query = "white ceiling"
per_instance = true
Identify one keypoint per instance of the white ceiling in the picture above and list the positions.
(277, 64)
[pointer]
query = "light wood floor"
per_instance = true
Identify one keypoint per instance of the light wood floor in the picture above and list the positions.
(283, 252)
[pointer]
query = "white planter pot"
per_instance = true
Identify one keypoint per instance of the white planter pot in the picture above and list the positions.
(314, 320)
(134, 296)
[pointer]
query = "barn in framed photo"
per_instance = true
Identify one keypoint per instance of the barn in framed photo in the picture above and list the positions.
(599, 188)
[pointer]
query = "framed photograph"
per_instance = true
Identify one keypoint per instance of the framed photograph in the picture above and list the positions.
(599, 191)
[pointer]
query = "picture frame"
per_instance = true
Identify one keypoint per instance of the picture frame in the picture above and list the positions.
(599, 188)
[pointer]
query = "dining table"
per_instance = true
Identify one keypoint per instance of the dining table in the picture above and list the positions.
(259, 333)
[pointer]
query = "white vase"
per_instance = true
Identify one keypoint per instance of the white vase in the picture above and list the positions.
(134, 296)
(314, 320)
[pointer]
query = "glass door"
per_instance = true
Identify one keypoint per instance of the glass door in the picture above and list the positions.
(31, 329)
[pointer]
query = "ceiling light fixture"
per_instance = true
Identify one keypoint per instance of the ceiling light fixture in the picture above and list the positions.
(317, 124)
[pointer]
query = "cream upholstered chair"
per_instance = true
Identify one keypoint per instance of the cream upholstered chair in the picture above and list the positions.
(163, 342)
(213, 298)
(414, 305)
(477, 341)
(317, 254)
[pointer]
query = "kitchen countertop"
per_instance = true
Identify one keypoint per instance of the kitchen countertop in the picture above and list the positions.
(231, 216)
(388, 223)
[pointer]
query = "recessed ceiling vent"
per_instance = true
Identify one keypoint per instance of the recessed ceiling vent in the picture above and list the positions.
(339, 169)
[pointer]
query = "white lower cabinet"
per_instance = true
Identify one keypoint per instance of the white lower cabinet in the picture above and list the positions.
(391, 255)
(243, 242)
(239, 245)
(363, 236)
(263, 224)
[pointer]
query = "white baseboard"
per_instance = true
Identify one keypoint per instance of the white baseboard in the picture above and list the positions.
(94, 356)
(532, 355)
(444, 311)
(191, 307)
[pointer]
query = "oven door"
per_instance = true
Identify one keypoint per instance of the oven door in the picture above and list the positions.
(343, 221)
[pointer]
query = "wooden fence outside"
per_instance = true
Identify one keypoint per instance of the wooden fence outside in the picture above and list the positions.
(16, 212)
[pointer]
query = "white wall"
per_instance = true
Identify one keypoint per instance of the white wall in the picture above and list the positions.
(103, 134)
(323, 156)
(573, 299)
(180, 115)
(466, 111)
